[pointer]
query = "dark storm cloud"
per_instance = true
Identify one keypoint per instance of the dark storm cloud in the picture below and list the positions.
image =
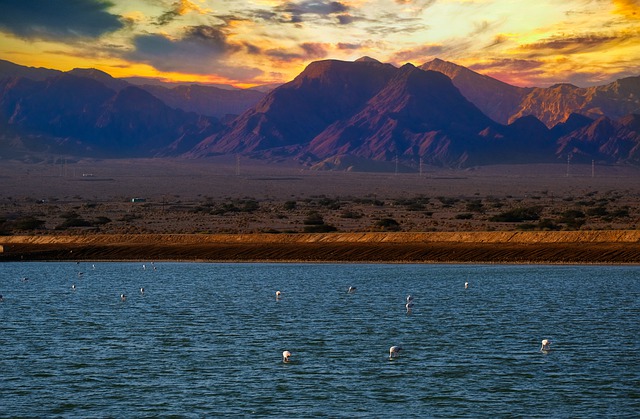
(313, 7)
(201, 50)
(299, 12)
(58, 20)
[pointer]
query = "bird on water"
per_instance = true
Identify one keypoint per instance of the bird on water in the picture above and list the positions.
(285, 356)
(394, 351)
(546, 345)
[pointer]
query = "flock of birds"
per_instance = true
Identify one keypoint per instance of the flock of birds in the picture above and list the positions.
(394, 351)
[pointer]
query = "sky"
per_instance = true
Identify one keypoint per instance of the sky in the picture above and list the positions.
(246, 43)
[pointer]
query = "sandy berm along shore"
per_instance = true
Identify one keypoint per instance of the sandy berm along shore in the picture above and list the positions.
(597, 246)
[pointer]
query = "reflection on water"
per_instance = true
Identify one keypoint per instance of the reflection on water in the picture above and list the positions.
(208, 339)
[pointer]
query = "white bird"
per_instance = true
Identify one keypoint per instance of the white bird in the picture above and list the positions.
(409, 298)
(73, 286)
(546, 345)
(351, 290)
(142, 290)
(144, 267)
(123, 297)
(285, 356)
(409, 306)
(466, 285)
(394, 351)
(278, 293)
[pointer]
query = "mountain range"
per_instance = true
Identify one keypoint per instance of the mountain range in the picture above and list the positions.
(335, 114)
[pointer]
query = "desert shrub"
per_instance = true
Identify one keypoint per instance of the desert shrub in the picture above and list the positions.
(597, 212)
(290, 205)
(330, 203)
(27, 223)
(547, 224)
(475, 205)
(413, 204)
(517, 215)
(620, 213)
(447, 202)
(369, 201)
(574, 219)
(313, 218)
(69, 214)
(101, 221)
(129, 217)
(222, 209)
(74, 222)
(571, 214)
(464, 216)
(387, 224)
(351, 214)
(319, 228)
(5, 230)
(249, 205)
(314, 223)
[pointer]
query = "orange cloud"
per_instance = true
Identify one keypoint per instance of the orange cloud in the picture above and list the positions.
(628, 8)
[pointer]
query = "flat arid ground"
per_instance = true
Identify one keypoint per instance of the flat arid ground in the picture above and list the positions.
(254, 200)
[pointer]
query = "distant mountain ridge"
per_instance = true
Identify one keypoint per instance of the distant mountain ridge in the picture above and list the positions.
(505, 103)
(81, 116)
(335, 114)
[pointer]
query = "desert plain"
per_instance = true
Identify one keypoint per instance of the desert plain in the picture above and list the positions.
(236, 208)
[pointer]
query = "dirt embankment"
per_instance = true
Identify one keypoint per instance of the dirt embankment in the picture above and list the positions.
(618, 246)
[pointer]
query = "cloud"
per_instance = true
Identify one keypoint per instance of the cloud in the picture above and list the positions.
(420, 54)
(628, 8)
(299, 12)
(313, 7)
(178, 8)
(201, 50)
(511, 64)
(574, 44)
(391, 23)
(58, 20)
(348, 46)
(306, 51)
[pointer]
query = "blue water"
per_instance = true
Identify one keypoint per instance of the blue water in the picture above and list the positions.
(206, 340)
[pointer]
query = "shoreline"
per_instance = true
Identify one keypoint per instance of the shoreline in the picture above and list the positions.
(521, 247)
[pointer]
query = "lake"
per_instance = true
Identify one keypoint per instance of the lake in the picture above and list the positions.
(206, 339)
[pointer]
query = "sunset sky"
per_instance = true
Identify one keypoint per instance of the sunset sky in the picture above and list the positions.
(253, 42)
